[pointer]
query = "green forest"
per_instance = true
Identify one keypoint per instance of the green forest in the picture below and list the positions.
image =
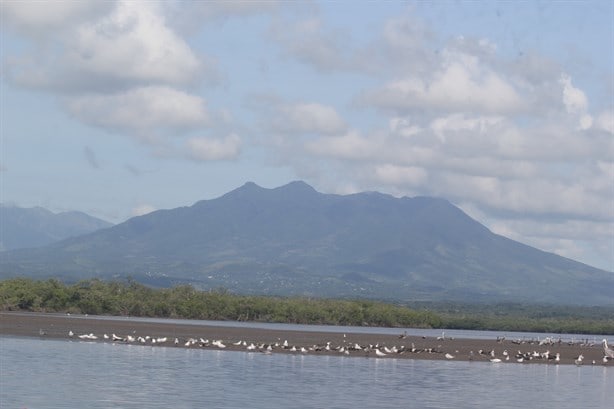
(129, 298)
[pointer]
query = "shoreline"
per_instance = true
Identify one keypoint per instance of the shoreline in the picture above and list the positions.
(181, 335)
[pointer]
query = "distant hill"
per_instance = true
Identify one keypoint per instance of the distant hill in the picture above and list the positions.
(294, 240)
(36, 227)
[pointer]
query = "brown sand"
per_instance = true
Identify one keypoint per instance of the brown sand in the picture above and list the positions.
(58, 326)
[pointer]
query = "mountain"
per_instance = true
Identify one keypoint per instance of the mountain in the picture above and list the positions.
(294, 240)
(36, 227)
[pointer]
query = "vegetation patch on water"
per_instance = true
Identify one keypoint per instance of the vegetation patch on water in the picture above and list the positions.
(129, 298)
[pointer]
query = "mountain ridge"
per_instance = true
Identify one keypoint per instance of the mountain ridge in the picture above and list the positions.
(294, 240)
(37, 226)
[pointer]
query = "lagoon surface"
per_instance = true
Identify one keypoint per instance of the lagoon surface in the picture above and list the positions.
(36, 373)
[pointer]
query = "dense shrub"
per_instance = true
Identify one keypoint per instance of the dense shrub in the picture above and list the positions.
(131, 298)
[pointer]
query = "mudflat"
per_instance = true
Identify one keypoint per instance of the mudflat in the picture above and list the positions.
(257, 340)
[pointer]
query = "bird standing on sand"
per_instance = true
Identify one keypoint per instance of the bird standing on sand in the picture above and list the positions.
(607, 351)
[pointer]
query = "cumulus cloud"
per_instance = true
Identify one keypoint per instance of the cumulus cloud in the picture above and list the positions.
(131, 45)
(34, 19)
(460, 84)
(120, 66)
(141, 111)
(207, 149)
(308, 117)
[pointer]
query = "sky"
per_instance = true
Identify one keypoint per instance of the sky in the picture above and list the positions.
(506, 109)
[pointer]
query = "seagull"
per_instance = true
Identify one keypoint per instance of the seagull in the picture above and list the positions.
(449, 356)
(495, 360)
(379, 353)
(578, 360)
(71, 334)
(607, 351)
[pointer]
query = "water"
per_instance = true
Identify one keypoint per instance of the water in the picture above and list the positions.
(50, 373)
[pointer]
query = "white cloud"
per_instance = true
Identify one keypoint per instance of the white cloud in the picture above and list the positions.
(351, 145)
(37, 19)
(141, 111)
(461, 84)
(308, 117)
(208, 149)
(131, 45)
(575, 102)
(605, 121)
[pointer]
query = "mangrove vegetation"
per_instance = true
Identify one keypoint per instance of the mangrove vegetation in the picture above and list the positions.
(130, 298)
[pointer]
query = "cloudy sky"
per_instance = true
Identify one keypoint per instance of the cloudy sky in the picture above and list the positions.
(503, 108)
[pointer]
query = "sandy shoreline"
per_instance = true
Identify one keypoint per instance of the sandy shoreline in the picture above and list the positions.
(312, 343)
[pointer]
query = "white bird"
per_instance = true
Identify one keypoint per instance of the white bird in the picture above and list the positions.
(379, 353)
(579, 359)
(71, 334)
(219, 344)
(449, 356)
(608, 352)
(495, 360)
(105, 336)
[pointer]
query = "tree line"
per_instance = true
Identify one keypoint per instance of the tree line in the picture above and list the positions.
(130, 298)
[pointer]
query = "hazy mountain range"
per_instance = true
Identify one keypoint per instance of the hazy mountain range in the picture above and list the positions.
(36, 226)
(294, 240)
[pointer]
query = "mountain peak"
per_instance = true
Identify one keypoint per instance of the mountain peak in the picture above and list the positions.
(297, 186)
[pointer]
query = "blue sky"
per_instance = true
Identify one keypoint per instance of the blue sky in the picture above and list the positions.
(504, 108)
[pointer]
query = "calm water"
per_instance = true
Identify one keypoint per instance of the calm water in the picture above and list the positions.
(63, 374)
